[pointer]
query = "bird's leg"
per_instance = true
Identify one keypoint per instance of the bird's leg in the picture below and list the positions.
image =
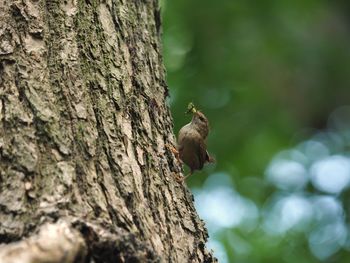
(171, 148)
(174, 151)
(181, 179)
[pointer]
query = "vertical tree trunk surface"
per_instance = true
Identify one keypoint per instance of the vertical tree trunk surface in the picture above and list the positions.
(84, 172)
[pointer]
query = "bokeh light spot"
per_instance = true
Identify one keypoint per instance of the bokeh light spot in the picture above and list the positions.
(327, 240)
(327, 209)
(286, 213)
(331, 174)
(287, 175)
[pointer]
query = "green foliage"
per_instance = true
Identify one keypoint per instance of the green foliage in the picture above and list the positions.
(268, 75)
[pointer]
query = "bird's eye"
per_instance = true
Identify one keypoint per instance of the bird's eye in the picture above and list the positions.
(201, 118)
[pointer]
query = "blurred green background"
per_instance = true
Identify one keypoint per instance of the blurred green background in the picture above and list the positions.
(273, 78)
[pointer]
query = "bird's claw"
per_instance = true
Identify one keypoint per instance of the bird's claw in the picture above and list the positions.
(175, 152)
(179, 178)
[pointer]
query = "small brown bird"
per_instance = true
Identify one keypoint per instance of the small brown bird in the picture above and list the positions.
(192, 148)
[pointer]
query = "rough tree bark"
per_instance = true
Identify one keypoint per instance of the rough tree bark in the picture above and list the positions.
(84, 172)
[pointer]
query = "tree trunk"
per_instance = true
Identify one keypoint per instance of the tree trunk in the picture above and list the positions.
(84, 172)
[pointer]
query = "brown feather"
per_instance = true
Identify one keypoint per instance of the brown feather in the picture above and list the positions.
(192, 147)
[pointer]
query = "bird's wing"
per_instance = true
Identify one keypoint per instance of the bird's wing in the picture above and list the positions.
(192, 148)
(183, 133)
(202, 153)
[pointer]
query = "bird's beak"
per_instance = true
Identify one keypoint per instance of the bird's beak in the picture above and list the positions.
(191, 108)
